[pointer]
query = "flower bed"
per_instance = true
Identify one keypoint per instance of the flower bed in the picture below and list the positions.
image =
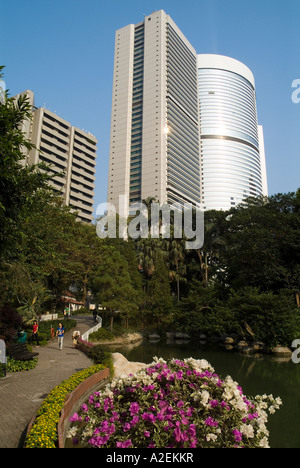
(43, 431)
(175, 404)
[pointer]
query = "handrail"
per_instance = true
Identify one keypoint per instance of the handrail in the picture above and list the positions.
(85, 336)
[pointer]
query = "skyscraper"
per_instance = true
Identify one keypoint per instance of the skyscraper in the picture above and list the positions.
(70, 153)
(233, 165)
(154, 147)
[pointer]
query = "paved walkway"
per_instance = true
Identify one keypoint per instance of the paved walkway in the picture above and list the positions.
(22, 393)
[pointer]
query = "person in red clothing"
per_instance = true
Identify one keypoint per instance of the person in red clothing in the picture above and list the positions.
(35, 334)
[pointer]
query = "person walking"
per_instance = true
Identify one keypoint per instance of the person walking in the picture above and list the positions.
(60, 334)
(35, 334)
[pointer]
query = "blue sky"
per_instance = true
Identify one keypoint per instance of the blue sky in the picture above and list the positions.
(63, 51)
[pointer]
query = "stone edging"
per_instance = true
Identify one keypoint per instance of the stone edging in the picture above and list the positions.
(73, 402)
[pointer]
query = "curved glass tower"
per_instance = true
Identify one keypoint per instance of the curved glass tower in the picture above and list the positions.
(232, 150)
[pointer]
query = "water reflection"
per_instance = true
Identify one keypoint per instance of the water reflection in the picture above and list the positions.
(256, 374)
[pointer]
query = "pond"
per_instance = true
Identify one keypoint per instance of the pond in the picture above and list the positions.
(256, 375)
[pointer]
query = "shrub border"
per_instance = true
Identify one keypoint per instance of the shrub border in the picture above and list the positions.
(75, 399)
(72, 402)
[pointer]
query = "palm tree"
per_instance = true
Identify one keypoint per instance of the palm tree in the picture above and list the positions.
(176, 258)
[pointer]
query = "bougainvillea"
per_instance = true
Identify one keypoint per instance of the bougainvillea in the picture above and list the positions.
(174, 404)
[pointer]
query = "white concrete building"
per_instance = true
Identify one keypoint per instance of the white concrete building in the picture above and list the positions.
(71, 154)
(154, 146)
(233, 165)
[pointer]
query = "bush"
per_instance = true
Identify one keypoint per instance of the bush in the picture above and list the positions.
(102, 335)
(10, 322)
(45, 329)
(175, 404)
(3, 370)
(83, 311)
(272, 318)
(14, 365)
(44, 431)
(99, 356)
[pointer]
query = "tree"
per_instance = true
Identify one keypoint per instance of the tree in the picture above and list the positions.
(86, 255)
(210, 255)
(111, 285)
(263, 244)
(176, 258)
(18, 182)
(159, 298)
(267, 317)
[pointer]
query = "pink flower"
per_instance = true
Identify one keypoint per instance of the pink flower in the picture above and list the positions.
(237, 435)
(135, 420)
(193, 443)
(134, 409)
(126, 444)
(98, 441)
(75, 417)
(211, 422)
(149, 417)
(177, 432)
(126, 427)
(214, 403)
(146, 433)
(192, 430)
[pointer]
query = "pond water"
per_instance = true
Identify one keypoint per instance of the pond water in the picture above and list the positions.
(256, 375)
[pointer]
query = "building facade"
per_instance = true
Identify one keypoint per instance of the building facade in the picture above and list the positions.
(233, 165)
(71, 155)
(154, 146)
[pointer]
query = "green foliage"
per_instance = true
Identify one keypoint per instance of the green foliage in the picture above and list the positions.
(102, 335)
(112, 285)
(100, 356)
(254, 315)
(160, 301)
(18, 182)
(45, 327)
(272, 318)
(203, 313)
(10, 322)
(14, 365)
(263, 244)
(2, 370)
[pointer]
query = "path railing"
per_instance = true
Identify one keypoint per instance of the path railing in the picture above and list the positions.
(86, 335)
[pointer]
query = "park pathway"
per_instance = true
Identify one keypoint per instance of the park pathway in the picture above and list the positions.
(22, 393)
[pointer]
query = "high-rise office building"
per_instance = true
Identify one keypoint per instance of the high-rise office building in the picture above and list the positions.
(70, 153)
(183, 127)
(154, 147)
(233, 165)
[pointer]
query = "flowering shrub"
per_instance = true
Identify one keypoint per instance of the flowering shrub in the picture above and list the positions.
(175, 404)
(44, 431)
(96, 353)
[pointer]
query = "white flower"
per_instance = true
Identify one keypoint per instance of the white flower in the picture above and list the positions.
(264, 443)
(205, 397)
(278, 401)
(212, 437)
(71, 432)
(88, 432)
(247, 430)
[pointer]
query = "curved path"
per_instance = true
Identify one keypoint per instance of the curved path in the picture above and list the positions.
(22, 393)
